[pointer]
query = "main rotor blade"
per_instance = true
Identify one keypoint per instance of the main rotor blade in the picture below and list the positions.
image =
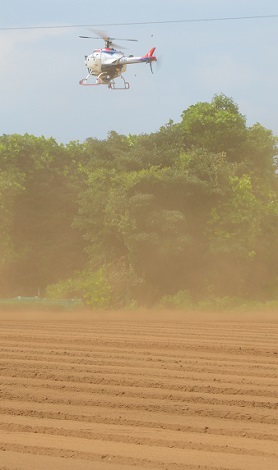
(103, 35)
(88, 37)
(124, 39)
(110, 40)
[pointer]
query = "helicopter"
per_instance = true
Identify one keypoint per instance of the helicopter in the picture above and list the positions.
(108, 63)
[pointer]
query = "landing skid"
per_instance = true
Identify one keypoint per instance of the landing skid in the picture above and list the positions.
(83, 82)
(111, 84)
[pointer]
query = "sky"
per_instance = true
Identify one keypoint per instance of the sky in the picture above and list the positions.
(40, 69)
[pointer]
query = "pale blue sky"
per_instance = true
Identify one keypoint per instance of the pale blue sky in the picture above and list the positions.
(40, 69)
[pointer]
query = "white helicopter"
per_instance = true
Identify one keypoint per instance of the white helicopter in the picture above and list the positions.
(108, 63)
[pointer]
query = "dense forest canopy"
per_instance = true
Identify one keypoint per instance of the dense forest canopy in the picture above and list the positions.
(178, 216)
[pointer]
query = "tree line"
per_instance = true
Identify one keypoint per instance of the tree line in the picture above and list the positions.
(178, 217)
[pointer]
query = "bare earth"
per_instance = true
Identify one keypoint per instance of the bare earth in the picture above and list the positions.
(119, 391)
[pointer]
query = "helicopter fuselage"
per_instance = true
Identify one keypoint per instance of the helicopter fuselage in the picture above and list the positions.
(108, 63)
(104, 60)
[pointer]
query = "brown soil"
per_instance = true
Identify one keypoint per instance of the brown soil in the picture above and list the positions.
(120, 391)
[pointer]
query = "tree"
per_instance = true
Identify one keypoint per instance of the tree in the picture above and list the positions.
(242, 232)
(45, 246)
(260, 152)
(134, 219)
(11, 185)
(217, 127)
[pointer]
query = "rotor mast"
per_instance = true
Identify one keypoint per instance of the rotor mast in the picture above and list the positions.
(108, 43)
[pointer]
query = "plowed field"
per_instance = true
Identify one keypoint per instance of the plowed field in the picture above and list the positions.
(128, 391)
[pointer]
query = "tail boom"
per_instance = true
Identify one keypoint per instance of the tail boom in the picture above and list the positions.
(149, 57)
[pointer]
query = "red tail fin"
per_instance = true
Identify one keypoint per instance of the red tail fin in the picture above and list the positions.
(150, 53)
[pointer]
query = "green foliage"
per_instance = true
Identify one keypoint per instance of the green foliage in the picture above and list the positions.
(11, 186)
(124, 284)
(217, 127)
(189, 212)
(220, 304)
(240, 232)
(92, 287)
(37, 209)
(108, 287)
(260, 150)
(180, 301)
(235, 229)
(36, 303)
